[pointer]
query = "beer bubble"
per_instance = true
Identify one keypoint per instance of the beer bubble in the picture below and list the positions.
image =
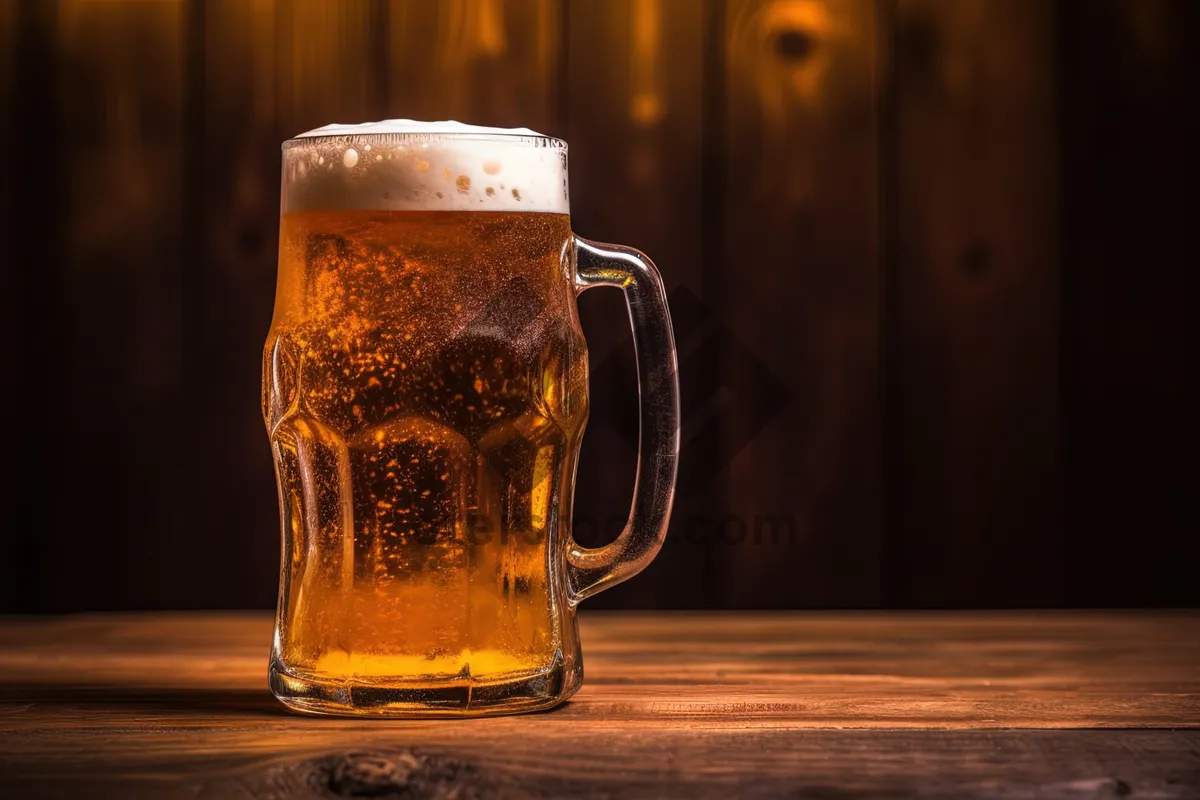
(351, 158)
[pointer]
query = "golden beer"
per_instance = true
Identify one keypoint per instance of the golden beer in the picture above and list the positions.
(425, 393)
(427, 374)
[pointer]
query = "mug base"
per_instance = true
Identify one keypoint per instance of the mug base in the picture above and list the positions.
(462, 697)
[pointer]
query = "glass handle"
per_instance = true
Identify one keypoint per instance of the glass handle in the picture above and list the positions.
(590, 570)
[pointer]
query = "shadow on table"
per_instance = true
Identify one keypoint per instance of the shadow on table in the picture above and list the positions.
(196, 700)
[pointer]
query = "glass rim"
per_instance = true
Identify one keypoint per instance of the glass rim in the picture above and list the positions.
(426, 138)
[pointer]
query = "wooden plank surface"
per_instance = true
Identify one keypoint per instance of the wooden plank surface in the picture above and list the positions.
(486, 62)
(973, 336)
(1129, 325)
(798, 296)
(236, 70)
(12, 333)
(672, 704)
(633, 116)
(100, 259)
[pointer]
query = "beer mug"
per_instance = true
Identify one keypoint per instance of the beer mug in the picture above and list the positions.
(425, 390)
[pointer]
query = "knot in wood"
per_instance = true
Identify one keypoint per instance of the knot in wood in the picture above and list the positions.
(401, 774)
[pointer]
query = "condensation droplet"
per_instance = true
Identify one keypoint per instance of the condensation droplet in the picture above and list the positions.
(490, 191)
(491, 167)
(351, 158)
(422, 166)
(516, 194)
(463, 183)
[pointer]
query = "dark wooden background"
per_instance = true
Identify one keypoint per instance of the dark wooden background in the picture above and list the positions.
(928, 261)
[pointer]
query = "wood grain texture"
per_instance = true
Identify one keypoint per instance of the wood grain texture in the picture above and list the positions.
(635, 76)
(103, 311)
(843, 705)
(799, 298)
(327, 62)
(487, 62)
(238, 79)
(973, 337)
(1039, 173)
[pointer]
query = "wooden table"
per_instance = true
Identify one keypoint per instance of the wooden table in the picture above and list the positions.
(829, 705)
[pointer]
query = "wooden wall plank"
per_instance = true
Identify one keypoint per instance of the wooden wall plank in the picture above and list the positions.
(40, 185)
(634, 102)
(107, 404)
(328, 64)
(251, 59)
(800, 297)
(736, 142)
(1130, 169)
(12, 324)
(974, 329)
(8, 122)
(486, 62)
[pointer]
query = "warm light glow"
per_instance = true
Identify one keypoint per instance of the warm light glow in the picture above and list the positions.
(475, 29)
(646, 104)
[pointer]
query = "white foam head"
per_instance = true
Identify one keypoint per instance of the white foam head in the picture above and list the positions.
(404, 165)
